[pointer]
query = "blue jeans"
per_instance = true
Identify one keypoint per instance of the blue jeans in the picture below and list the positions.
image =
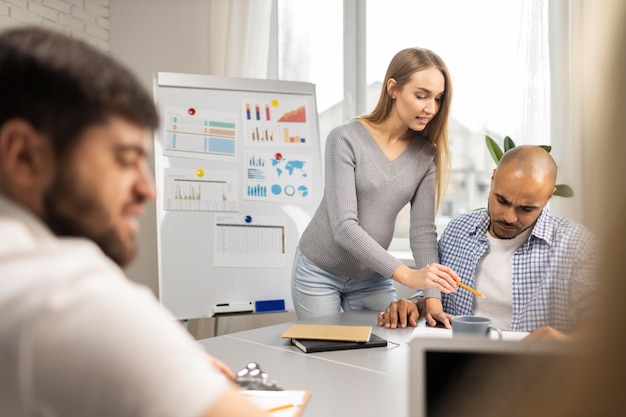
(317, 292)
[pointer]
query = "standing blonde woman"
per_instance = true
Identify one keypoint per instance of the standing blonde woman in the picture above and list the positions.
(375, 165)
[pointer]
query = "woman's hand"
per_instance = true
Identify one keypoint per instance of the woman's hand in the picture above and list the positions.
(435, 276)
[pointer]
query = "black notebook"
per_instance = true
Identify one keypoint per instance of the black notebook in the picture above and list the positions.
(310, 345)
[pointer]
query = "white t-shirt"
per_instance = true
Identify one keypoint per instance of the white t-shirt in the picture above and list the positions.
(494, 275)
(77, 338)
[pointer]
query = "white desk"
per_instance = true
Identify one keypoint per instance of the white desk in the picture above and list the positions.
(360, 382)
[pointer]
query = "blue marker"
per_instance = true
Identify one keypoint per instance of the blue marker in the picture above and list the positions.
(248, 219)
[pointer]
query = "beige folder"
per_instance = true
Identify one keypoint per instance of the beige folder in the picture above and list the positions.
(328, 332)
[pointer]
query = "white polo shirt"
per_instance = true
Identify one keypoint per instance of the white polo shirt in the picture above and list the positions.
(77, 338)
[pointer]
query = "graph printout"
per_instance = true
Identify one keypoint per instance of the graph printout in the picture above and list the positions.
(250, 241)
(201, 190)
(273, 122)
(199, 133)
(277, 176)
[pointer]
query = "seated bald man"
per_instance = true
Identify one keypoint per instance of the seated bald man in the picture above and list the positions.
(537, 269)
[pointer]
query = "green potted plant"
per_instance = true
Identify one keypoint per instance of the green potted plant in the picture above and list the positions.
(496, 153)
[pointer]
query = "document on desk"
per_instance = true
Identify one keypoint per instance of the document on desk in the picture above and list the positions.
(286, 403)
(425, 331)
(441, 333)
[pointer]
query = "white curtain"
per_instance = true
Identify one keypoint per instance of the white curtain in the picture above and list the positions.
(566, 41)
(533, 72)
(240, 37)
(549, 109)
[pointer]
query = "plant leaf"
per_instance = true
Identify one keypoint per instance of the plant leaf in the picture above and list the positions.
(563, 190)
(494, 149)
(508, 144)
(548, 148)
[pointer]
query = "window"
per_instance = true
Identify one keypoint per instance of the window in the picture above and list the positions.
(310, 49)
(496, 52)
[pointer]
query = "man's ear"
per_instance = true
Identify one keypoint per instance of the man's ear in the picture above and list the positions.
(26, 158)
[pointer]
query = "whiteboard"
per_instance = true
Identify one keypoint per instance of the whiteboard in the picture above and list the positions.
(238, 175)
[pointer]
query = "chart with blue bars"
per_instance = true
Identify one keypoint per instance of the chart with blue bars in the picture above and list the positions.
(278, 176)
(201, 132)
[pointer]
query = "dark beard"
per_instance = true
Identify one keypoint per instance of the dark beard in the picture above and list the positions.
(493, 229)
(82, 202)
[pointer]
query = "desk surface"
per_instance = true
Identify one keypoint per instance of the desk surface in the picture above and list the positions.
(360, 382)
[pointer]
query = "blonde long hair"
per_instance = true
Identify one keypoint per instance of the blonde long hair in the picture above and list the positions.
(403, 65)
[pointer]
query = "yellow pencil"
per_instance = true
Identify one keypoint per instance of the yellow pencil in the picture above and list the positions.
(470, 289)
(279, 407)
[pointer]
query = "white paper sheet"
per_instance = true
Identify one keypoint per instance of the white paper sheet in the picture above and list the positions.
(437, 332)
(268, 400)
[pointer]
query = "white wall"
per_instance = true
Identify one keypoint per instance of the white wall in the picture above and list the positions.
(169, 36)
(160, 35)
(83, 19)
(152, 36)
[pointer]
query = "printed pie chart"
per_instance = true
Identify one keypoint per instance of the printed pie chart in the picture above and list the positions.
(303, 191)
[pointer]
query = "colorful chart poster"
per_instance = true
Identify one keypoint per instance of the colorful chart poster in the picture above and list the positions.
(272, 122)
(278, 176)
(200, 134)
(200, 190)
(250, 241)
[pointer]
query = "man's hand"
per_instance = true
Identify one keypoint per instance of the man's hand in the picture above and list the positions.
(547, 333)
(401, 312)
(435, 313)
(221, 366)
(584, 331)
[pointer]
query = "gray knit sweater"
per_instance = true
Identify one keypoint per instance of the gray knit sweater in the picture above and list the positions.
(352, 228)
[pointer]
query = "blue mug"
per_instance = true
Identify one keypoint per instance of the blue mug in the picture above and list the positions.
(473, 326)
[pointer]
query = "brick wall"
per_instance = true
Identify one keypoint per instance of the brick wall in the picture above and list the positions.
(83, 19)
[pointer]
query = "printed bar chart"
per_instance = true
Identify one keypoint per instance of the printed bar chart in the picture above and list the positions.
(257, 191)
(292, 139)
(201, 195)
(201, 134)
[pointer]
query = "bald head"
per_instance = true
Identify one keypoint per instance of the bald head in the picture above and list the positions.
(529, 161)
(521, 186)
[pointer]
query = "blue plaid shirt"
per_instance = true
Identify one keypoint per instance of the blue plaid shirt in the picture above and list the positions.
(553, 279)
